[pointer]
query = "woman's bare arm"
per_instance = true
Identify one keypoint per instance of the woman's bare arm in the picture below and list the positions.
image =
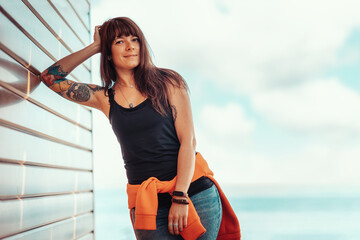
(182, 115)
(55, 77)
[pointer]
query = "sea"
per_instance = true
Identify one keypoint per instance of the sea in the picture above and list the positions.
(268, 212)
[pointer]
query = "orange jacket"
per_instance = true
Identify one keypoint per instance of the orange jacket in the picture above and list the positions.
(144, 198)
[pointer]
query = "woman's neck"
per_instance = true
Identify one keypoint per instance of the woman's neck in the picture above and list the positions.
(125, 78)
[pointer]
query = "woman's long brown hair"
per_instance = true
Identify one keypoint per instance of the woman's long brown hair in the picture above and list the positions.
(150, 80)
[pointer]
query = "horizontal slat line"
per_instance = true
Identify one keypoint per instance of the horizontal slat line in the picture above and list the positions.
(35, 133)
(49, 194)
(32, 9)
(25, 65)
(77, 14)
(46, 108)
(26, 33)
(42, 20)
(66, 22)
(43, 225)
(19, 59)
(46, 165)
(84, 234)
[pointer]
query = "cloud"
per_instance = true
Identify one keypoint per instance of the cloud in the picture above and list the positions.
(316, 163)
(227, 121)
(316, 106)
(222, 132)
(244, 46)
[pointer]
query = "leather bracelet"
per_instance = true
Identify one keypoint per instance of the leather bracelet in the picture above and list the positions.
(180, 201)
(179, 194)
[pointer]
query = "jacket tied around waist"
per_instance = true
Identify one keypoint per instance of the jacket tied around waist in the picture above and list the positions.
(144, 198)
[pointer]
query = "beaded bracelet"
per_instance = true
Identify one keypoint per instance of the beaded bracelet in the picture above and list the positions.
(180, 201)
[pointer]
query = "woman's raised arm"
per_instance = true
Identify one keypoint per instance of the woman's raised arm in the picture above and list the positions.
(55, 77)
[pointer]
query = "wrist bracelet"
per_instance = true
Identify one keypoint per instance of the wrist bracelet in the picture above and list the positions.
(180, 201)
(179, 194)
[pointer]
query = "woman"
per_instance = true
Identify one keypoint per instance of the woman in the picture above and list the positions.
(150, 113)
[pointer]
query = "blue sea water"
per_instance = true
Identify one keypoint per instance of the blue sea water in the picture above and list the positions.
(264, 214)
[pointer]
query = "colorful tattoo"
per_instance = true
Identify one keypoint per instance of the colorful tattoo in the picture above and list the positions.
(54, 78)
(57, 70)
(81, 92)
(54, 75)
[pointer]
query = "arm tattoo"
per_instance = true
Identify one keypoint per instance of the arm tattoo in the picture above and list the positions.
(53, 75)
(174, 112)
(78, 92)
(81, 92)
(54, 78)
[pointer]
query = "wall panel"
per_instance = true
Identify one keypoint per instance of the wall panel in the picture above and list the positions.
(71, 16)
(31, 116)
(54, 21)
(19, 180)
(46, 150)
(79, 227)
(41, 152)
(29, 213)
(82, 9)
(23, 47)
(20, 78)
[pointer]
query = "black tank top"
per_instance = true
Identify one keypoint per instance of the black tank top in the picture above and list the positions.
(149, 143)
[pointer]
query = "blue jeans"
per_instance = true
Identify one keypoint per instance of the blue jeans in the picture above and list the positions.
(208, 206)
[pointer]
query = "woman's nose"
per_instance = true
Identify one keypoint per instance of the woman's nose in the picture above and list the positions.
(130, 46)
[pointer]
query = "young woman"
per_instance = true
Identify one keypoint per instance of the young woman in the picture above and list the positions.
(171, 191)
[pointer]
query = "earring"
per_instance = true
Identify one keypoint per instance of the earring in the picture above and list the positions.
(109, 58)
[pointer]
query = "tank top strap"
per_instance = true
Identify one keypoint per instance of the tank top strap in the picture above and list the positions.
(111, 95)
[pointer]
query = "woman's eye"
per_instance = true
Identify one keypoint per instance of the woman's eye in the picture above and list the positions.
(119, 42)
(135, 39)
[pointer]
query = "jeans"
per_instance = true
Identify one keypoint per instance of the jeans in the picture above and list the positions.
(208, 206)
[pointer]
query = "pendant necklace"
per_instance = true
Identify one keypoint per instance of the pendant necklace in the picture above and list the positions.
(130, 104)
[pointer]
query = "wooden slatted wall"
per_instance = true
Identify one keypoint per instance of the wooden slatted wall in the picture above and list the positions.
(46, 157)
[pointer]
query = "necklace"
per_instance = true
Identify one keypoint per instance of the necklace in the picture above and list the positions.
(131, 85)
(130, 104)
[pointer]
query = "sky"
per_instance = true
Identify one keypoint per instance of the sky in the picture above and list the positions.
(274, 86)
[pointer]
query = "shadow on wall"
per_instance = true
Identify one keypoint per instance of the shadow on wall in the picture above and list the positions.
(25, 82)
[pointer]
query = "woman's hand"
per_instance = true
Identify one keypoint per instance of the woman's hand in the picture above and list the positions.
(178, 215)
(97, 38)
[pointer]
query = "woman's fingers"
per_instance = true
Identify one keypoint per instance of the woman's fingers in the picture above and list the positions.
(185, 221)
(176, 228)
(171, 227)
(181, 227)
(97, 34)
(177, 218)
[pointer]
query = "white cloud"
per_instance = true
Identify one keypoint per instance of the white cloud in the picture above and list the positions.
(227, 121)
(324, 105)
(244, 46)
(314, 164)
(222, 132)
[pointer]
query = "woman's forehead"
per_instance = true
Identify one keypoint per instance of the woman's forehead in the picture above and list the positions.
(125, 36)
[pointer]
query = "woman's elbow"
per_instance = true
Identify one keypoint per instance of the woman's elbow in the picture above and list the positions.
(190, 142)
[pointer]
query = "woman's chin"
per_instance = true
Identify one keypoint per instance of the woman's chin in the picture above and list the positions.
(128, 66)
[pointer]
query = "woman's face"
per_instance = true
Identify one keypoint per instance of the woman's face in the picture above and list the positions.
(126, 52)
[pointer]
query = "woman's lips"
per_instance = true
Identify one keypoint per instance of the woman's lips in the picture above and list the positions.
(133, 55)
